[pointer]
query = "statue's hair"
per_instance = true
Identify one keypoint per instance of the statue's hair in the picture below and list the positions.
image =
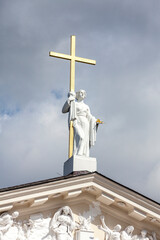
(144, 230)
(119, 226)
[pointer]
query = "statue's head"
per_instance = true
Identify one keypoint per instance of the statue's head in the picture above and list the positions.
(143, 233)
(66, 210)
(15, 214)
(5, 218)
(80, 95)
(129, 229)
(117, 228)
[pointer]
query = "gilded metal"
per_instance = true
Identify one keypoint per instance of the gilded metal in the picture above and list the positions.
(72, 59)
(99, 121)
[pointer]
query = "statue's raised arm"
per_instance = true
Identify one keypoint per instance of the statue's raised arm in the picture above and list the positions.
(67, 104)
(109, 233)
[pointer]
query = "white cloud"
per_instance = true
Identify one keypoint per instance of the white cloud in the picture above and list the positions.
(27, 141)
(152, 185)
(122, 89)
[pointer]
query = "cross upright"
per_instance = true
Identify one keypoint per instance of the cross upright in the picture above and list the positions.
(72, 57)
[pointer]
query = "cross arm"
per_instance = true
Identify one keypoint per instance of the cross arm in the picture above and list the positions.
(69, 57)
(85, 60)
(60, 55)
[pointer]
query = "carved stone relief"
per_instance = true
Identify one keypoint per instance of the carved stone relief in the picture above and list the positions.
(62, 226)
(126, 234)
(8, 224)
(84, 224)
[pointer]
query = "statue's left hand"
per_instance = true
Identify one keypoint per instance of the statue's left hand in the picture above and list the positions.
(99, 121)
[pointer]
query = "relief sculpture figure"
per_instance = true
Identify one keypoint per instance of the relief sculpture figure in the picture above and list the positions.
(110, 234)
(62, 224)
(6, 222)
(84, 124)
(144, 236)
(127, 233)
(84, 223)
(153, 236)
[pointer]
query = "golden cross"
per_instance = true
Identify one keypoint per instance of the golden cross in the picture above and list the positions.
(72, 59)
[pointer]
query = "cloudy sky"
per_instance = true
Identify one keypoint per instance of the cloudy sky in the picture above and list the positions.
(123, 89)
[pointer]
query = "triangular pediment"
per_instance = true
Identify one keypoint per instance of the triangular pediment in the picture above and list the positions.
(87, 194)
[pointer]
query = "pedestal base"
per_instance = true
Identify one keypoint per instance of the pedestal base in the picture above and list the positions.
(79, 163)
(84, 235)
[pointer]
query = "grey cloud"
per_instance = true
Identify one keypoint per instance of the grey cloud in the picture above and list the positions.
(122, 89)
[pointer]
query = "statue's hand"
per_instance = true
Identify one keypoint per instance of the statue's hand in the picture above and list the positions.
(99, 121)
(102, 218)
(71, 96)
(71, 99)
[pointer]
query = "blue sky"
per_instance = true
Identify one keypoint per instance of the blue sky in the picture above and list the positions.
(123, 88)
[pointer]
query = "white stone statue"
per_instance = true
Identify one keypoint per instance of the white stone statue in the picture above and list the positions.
(153, 236)
(142, 236)
(6, 222)
(110, 234)
(36, 228)
(84, 223)
(126, 234)
(85, 125)
(62, 224)
(21, 234)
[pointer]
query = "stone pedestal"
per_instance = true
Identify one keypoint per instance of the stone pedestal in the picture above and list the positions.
(84, 235)
(79, 163)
